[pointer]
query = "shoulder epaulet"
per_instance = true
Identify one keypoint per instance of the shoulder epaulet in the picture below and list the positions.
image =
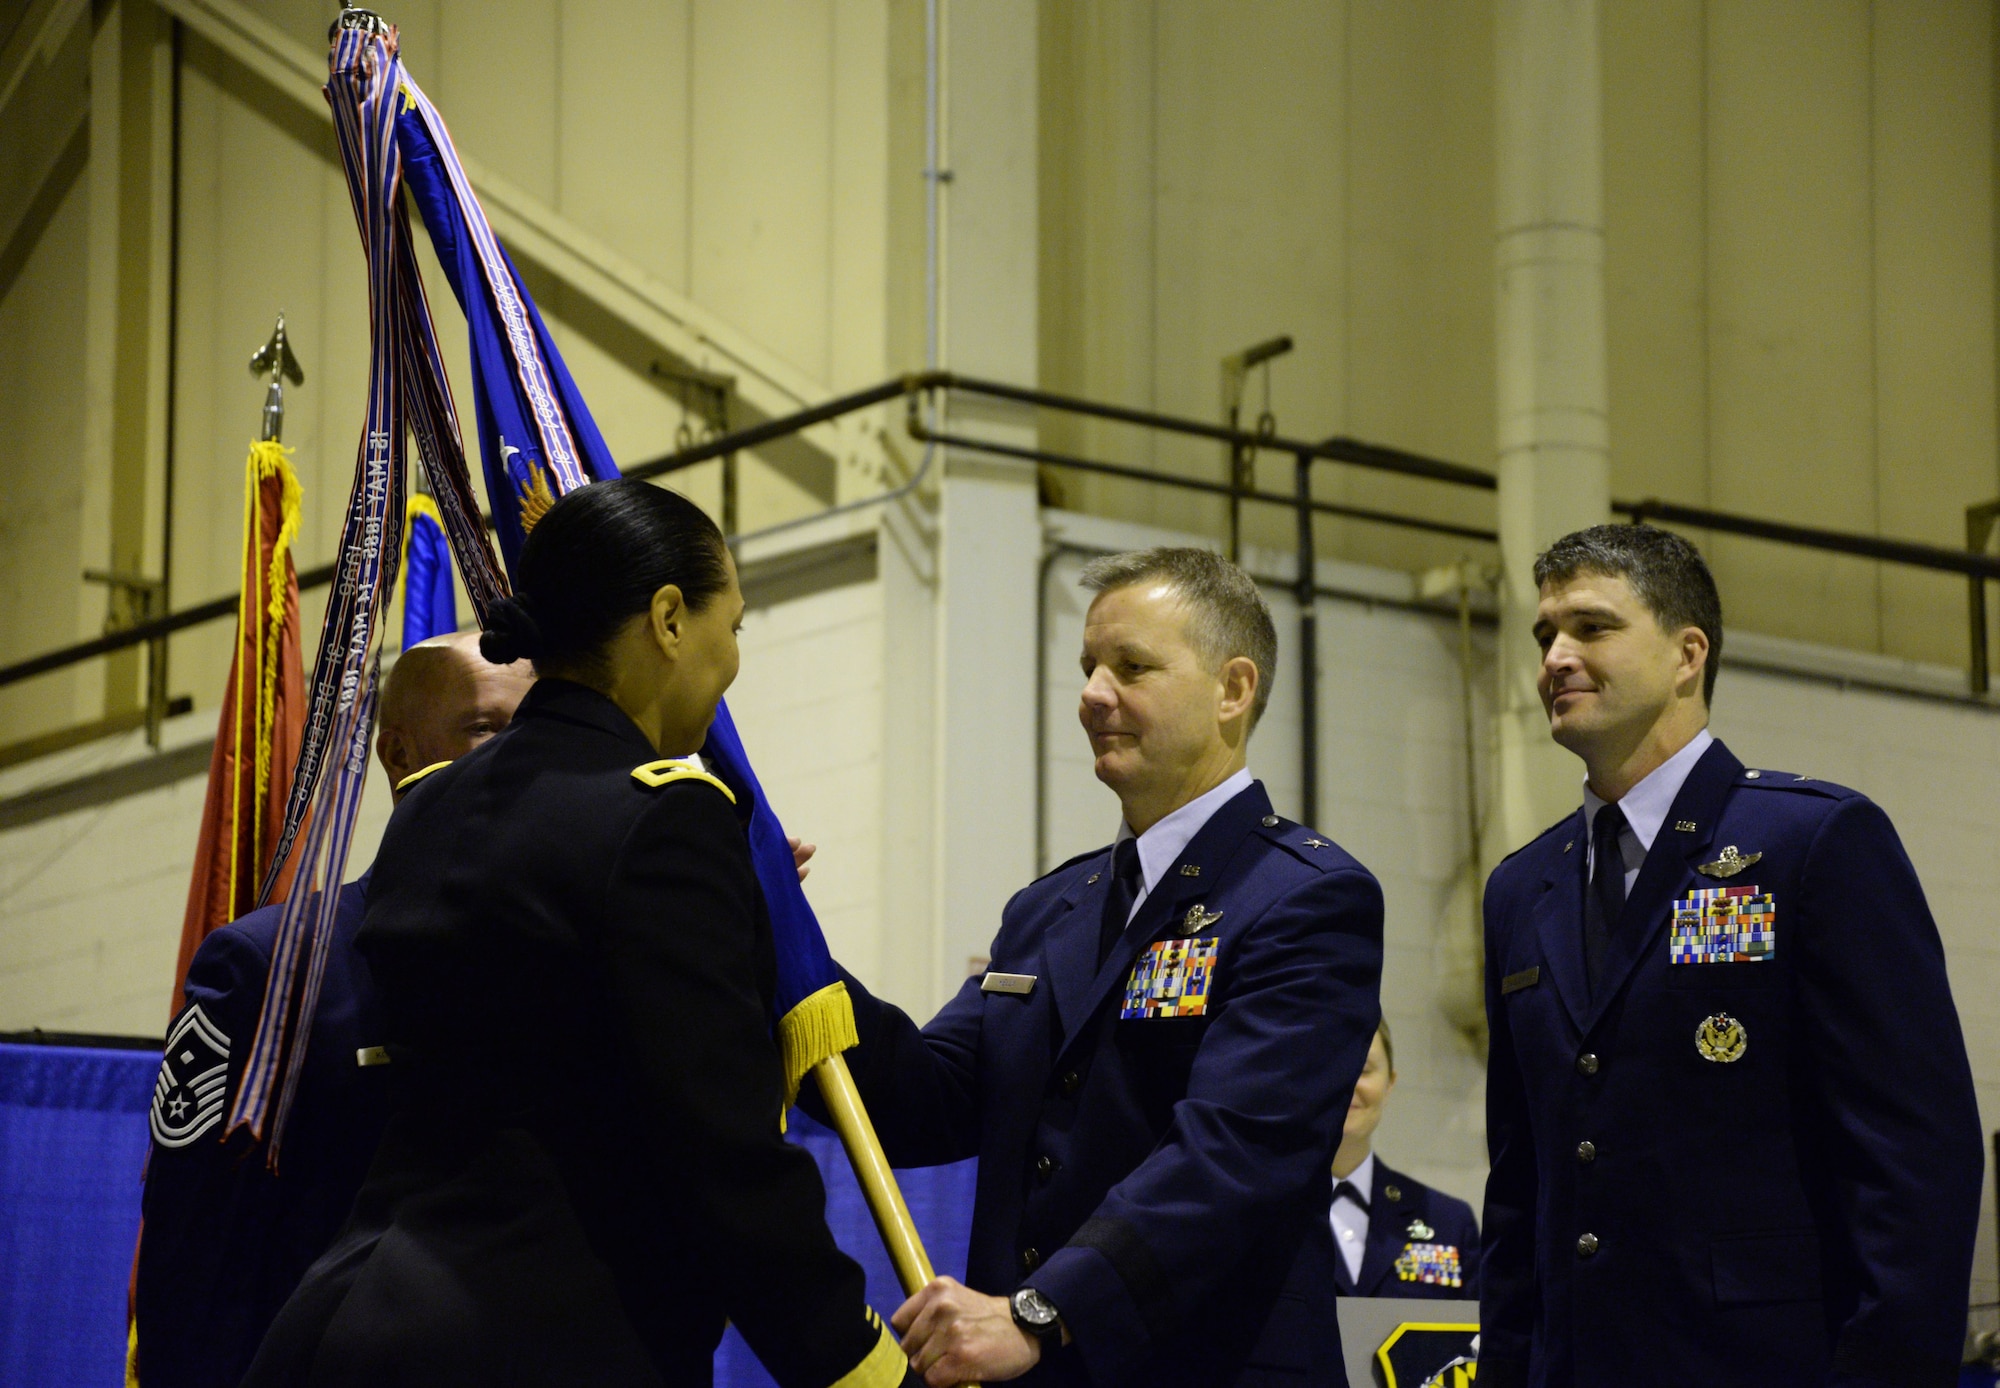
(416, 776)
(1302, 843)
(1071, 862)
(1763, 778)
(666, 773)
(1544, 834)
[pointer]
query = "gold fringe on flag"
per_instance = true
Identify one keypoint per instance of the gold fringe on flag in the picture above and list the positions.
(822, 1025)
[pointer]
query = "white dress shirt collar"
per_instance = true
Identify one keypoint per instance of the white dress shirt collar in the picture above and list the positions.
(1362, 1178)
(1349, 1222)
(1160, 845)
(1646, 804)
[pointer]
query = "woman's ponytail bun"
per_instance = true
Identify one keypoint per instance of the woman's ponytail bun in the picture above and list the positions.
(511, 633)
(592, 563)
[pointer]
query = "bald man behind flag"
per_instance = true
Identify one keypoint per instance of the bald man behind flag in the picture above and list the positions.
(225, 1239)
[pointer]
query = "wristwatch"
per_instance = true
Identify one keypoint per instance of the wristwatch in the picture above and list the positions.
(1034, 1314)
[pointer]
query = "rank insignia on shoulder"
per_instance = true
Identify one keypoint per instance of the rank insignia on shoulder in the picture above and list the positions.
(1171, 979)
(1317, 843)
(1721, 1038)
(1419, 1230)
(666, 773)
(1730, 863)
(416, 776)
(194, 1075)
(1723, 925)
(1436, 1264)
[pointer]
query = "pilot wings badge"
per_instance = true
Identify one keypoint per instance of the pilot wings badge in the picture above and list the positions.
(1730, 863)
(1198, 920)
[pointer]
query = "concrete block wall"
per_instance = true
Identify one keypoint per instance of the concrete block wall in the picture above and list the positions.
(91, 901)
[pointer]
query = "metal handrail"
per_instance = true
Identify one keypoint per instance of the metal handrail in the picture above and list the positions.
(1336, 450)
(1906, 552)
(1356, 453)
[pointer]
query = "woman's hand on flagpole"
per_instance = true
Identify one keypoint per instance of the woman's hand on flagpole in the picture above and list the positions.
(801, 855)
(955, 1335)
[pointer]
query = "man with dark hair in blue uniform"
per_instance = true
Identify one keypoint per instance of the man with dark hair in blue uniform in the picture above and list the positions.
(225, 1239)
(1388, 1234)
(1731, 1121)
(1154, 1070)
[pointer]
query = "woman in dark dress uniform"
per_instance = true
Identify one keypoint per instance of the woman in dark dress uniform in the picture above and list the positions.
(585, 1176)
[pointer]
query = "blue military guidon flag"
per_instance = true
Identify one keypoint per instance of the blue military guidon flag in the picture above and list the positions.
(429, 608)
(537, 442)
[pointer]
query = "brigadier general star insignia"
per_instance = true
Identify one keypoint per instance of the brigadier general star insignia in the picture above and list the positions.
(1730, 863)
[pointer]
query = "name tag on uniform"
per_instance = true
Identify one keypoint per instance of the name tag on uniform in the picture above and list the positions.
(1020, 985)
(1724, 925)
(1171, 979)
(1527, 978)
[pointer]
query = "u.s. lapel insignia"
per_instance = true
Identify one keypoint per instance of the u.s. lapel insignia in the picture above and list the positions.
(1198, 920)
(1419, 1230)
(1721, 1038)
(1393, 1194)
(1730, 863)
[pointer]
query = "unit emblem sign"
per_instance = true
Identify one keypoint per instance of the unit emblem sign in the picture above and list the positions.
(1721, 1038)
(194, 1074)
(1724, 925)
(1421, 1354)
(1171, 979)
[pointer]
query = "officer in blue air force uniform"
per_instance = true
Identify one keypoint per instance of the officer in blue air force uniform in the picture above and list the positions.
(1388, 1234)
(225, 1239)
(1154, 1070)
(1731, 1121)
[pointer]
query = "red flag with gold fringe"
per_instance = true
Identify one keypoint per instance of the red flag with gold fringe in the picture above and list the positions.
(263, 710)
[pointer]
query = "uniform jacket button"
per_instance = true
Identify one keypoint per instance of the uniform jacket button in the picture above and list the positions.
(1270, 821)
(1586, 1245)
(1586, 1064)
(1586, 1151)
(1045, 1167)
(1071, 1082)
(1031, 1258)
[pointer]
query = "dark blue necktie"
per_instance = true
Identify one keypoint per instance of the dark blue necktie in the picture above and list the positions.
(1347, 1190)
(1118, 901)
(1606, 901)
